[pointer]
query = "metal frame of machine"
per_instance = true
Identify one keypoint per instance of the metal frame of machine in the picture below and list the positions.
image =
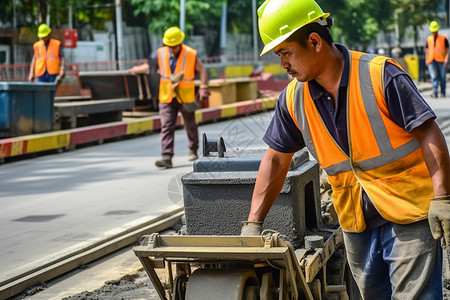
(298, 274)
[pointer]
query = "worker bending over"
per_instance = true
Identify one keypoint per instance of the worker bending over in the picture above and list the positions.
(362, 118)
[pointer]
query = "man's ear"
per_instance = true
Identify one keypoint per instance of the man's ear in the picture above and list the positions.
(315, 40)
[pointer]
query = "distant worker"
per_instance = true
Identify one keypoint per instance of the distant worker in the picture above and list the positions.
(436, 54)
(48, 58)
(396, 52)
(177, 65)
(363, 119)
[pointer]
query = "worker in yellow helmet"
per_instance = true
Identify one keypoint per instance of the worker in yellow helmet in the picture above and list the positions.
(48, 57)
(363, 119)
(177, 65)
(436, 58)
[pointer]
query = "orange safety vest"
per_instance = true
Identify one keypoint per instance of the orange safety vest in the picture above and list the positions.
(46, 59)
(185, 91)
(384, 160)
(436, 51)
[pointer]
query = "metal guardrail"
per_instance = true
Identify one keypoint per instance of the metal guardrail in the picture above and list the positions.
(16, 72)
(19, 72)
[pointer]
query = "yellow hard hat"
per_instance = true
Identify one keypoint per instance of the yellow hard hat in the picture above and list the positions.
(43, 31)
(434, 26)
(173, 36)
(279, 19)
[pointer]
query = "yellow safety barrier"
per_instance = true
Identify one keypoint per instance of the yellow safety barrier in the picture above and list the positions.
(238, 71)
(274, 69)
(413, 65)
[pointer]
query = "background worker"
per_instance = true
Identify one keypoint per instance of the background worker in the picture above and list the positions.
(48, 58)
(396, 52)
(436, 58)
(177, 64)
(362, 118)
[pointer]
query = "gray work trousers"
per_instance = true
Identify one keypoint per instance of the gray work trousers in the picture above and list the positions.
(395, 261)
(168, 115)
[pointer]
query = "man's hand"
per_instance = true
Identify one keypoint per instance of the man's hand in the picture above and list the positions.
(203, 93)
(133, 70)
(140, 69)
(62, 74)
(251, 228)
(439, 218)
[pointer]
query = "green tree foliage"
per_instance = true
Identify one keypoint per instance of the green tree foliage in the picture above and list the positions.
(240, 14)
(25, 12)
(162, 14)
(357, 22)
(31, 13)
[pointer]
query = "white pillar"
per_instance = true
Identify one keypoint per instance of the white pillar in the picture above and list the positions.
(223, 30)
(120, 56)
(255, 32)
(14, 14)
(396, 30)
(182, 15)
(69, 17)
(47, 21)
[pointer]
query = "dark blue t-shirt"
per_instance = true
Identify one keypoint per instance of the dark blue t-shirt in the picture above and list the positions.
(407, 109)
(153, 61)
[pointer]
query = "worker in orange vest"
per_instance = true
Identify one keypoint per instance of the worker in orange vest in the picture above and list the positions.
(48, 58)
(362, 118)
(177, 65)
(436, 54)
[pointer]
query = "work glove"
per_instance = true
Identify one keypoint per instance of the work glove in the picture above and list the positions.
(176, 78)
(439, 218)
(251, 228)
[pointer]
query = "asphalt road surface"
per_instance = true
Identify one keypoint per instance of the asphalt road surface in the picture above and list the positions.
(54, 203)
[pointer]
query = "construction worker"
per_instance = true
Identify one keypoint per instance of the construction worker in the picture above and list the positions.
(177, 64)
(362, 118)
(48, 58)
(436, 53)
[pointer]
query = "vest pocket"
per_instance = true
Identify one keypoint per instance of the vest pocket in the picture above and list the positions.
(347, 203)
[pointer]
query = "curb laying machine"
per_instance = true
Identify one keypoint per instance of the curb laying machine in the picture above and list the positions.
(296, 256)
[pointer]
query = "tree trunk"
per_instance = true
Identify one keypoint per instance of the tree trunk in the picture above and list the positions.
(41, 11)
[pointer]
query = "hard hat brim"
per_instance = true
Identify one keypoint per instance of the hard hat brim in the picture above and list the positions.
(43, 35)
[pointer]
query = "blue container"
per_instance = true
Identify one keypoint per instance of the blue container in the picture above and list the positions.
(26, 108)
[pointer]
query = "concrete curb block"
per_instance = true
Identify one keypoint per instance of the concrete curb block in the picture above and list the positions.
(66, 139)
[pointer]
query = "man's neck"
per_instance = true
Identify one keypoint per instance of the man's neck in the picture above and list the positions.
(330, 78)
(46, 42)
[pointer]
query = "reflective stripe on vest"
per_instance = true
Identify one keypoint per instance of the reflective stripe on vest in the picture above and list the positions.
(384, 159)
(436, 51)
(185, 91)
(46, 58)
